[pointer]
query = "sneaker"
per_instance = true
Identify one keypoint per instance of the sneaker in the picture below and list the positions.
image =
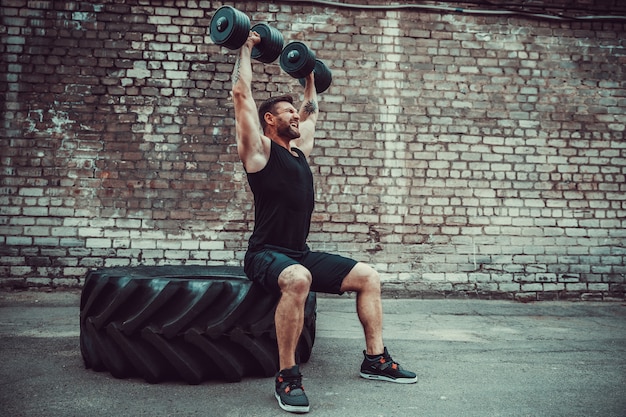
(290, 392)
(383, 368)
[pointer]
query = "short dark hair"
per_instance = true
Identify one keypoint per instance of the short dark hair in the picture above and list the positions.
(269, 106)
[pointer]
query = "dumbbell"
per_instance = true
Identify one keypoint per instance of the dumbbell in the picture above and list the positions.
(298, 60)
(230, 28)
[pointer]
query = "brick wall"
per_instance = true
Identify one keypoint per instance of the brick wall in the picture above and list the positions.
(460, 154)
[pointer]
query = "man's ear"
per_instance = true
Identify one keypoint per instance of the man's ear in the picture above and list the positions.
(269, 118)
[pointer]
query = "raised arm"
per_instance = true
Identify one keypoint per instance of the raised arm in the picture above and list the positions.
(252, 146)
(308, 117)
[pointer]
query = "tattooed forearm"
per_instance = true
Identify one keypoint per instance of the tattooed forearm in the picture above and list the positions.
(236, 73)
(310, 107)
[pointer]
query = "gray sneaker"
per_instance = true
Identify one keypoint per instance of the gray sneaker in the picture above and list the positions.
(383, 368)
(290, 392)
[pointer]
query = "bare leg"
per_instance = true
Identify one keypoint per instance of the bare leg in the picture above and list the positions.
(294, 282)
(366, 283)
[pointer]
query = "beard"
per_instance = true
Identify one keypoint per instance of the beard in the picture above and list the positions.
(288, 131)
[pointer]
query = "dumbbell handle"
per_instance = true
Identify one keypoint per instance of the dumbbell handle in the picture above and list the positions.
(222, 24)
(323, 77)
(293, 56)
(230, 28)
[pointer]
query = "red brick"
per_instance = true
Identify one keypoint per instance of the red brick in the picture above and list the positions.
(430, 135)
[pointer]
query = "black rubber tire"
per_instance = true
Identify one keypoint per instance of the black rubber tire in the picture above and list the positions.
(194, 323)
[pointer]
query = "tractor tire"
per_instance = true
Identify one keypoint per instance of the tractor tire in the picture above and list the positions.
(191, 323)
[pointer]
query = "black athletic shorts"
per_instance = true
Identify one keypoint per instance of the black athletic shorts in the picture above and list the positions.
(328, 270)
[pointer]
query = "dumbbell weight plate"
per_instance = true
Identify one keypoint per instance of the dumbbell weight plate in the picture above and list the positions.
(297, 60)
(323, 77)
(271, 43)
(230, 27)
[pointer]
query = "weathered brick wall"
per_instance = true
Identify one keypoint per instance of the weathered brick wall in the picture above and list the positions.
(458, 153)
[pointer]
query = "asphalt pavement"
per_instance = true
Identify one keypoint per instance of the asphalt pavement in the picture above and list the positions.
(472, 357)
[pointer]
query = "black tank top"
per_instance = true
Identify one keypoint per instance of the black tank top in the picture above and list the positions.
(283, 201)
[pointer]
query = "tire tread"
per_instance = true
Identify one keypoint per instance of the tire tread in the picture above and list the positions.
(187, 323)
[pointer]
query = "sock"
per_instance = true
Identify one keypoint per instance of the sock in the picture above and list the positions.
(373, 357)
(294, 370)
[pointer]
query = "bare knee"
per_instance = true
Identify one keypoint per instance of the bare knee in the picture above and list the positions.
(372, 281)
(295, 281)
(362, 278)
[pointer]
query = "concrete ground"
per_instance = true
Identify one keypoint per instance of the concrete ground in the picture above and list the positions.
(473, 358)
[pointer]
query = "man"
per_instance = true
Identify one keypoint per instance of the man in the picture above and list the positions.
(278, 257)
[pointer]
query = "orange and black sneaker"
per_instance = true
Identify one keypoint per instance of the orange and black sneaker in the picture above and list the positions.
(383, 368)
(290, 392)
